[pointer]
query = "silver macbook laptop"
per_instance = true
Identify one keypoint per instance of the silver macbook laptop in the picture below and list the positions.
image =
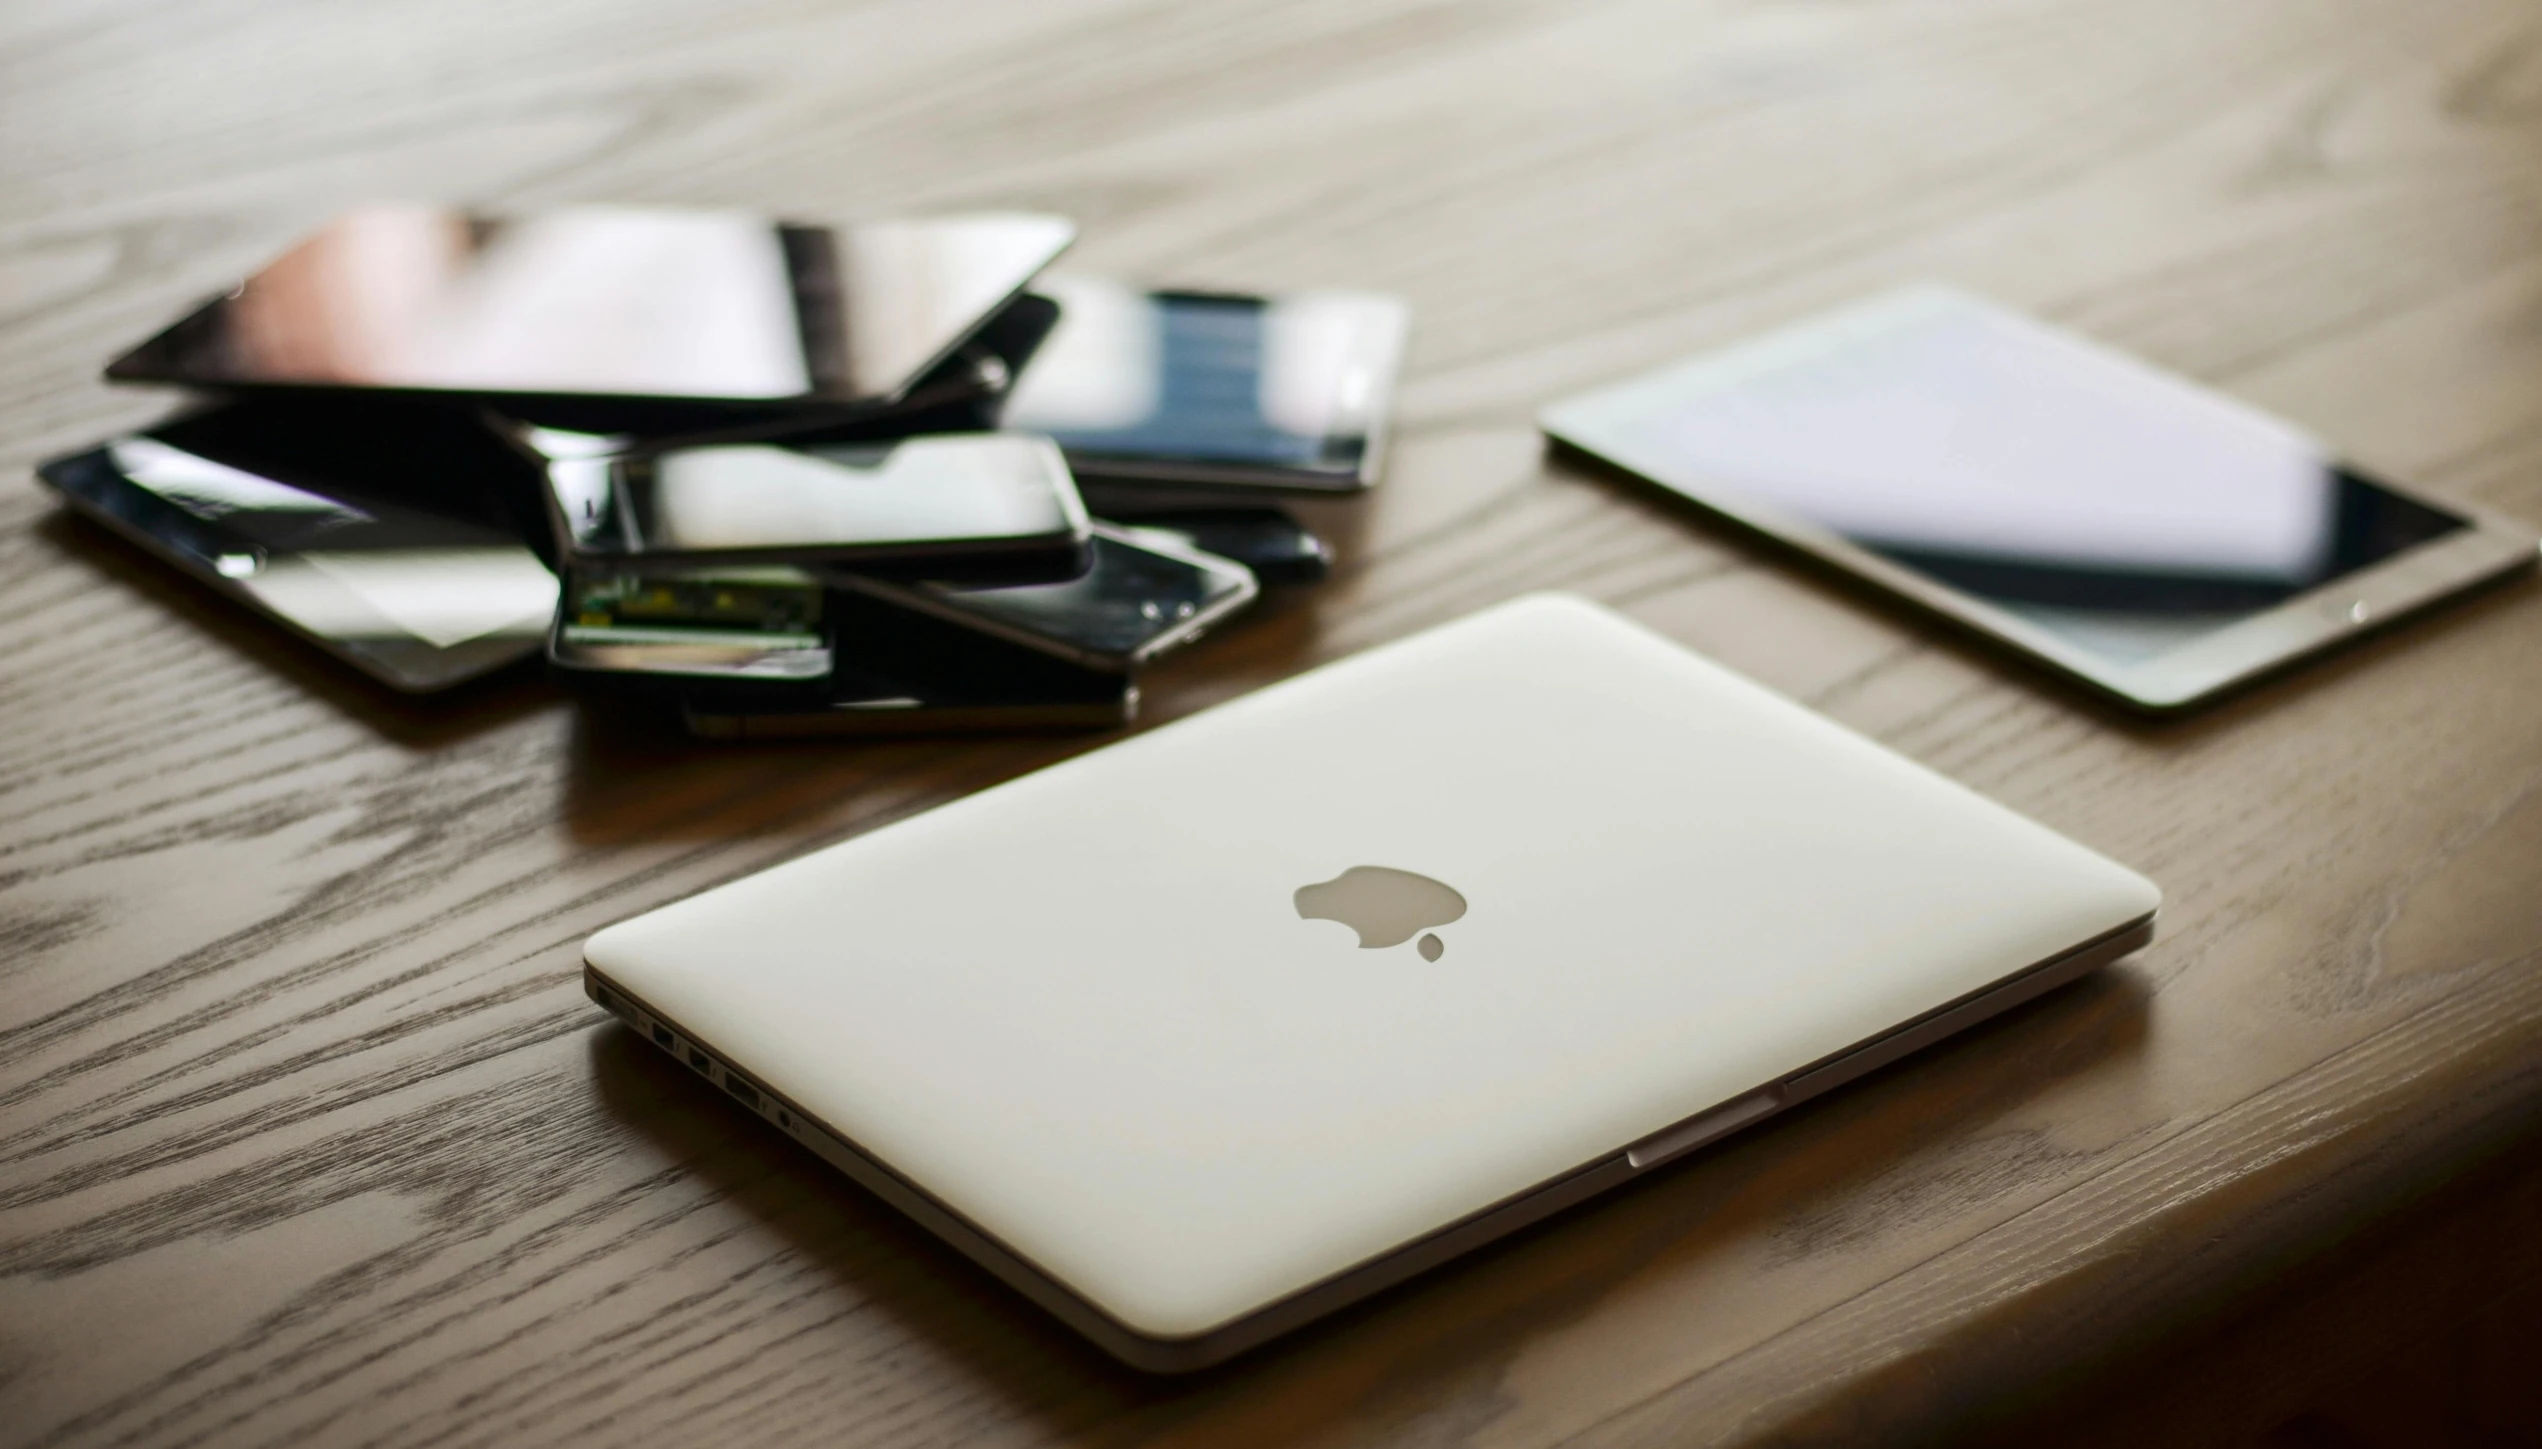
(1201, 1035)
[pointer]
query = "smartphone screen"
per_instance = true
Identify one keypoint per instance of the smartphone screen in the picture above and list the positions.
(1197, 387)
(2127, 511)
(945, 504)
(609, 302)
(1138, 598)
(372, 534)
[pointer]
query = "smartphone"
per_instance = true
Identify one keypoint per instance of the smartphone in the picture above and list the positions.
(1221, 391)
(972, 506)
(764, 626)
(704, 308)
(901, 672)
(389, 537)
(2124, 526)
(1276, 548)
(1139, 598)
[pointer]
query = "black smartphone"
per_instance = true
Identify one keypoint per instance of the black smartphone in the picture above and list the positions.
(389, 536)
(1275, 547)
(971, 506)
(1139, 598)
(1217, 391)
(900, 672)
(708, 309)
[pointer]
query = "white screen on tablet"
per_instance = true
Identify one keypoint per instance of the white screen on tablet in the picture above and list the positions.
(2122, 508)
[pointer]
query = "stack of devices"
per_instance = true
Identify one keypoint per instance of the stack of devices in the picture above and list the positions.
(787, 478)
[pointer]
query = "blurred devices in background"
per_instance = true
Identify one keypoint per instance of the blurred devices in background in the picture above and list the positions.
(1140, 598)
(1239, 394)
(720, 310)
(970, 506)
(2123, 525)
(391, 536)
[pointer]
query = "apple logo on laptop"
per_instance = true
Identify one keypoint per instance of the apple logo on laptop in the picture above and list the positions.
(1387, 907)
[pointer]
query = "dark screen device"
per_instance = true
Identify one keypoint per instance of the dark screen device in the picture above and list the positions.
(900, 672)
(713, 308)
(1139, 598)
(973, 506)
(1275, 547)
(389, 536)
(1281, 393)
(2133, 530)
(769, 653)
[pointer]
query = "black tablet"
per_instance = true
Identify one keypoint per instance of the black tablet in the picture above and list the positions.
(626, 304)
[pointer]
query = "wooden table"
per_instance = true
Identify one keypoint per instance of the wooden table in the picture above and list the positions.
(307, 1133)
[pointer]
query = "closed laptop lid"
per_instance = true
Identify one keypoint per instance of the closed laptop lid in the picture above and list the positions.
(1604, 885)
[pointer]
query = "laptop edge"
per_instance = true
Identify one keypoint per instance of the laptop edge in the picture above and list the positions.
(1180, 1355)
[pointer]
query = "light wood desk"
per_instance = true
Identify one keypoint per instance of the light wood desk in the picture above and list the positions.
(307, 1134)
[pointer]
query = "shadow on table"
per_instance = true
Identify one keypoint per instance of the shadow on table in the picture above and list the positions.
(1921, 1149)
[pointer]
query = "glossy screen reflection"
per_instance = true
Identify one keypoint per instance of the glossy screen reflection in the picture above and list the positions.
(1129, 597)
(420, 596)
(1286, 382)
(2122, 509)
(609, 302)
(758, 500)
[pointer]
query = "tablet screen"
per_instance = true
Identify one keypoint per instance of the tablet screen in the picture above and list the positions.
(382, 538)
(608, 302)
(2121, 508)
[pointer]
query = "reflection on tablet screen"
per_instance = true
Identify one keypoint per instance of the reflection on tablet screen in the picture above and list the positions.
(2119, 507)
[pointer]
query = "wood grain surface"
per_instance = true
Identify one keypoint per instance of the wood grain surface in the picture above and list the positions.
(307, 1134)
